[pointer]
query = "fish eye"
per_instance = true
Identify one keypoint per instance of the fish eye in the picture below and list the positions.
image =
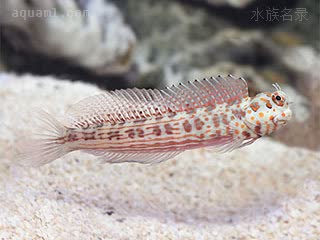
(280, 101)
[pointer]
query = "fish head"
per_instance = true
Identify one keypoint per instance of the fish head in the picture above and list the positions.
(268, 111)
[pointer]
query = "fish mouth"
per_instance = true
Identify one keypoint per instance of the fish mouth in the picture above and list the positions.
(281, 122)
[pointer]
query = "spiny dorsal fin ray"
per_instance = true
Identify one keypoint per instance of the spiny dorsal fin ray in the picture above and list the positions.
(207, 92)
(118, 106)
(134, 104)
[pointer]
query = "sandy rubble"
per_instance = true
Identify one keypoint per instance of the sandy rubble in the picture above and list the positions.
(264, 191)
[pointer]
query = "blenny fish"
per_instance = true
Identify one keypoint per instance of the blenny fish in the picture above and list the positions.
(151, 126)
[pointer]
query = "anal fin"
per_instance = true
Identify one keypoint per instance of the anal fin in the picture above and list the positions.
(137, 157)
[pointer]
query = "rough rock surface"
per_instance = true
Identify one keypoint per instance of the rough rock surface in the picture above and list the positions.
(91, 34)
(264, 191)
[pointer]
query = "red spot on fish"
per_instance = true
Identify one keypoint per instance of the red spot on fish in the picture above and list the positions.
(257, 129)
(254, 106)
(131, 133)
(268, 104)
(225, 119)
(140, 132)
(72, 137)
(114, 134)
(187, 126)
(198, 123)
(216, 122)
(155, 130)
(246, 134)
(89, 137)
(168, 128)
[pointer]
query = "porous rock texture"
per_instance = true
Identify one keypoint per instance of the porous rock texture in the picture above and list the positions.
(91, 34)
(264, 191)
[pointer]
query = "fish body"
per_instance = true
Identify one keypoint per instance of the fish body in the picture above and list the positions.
(179, 131)
(149, 126)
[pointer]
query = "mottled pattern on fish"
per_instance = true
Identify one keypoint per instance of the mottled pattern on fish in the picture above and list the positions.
(148, 126)
(175, 131)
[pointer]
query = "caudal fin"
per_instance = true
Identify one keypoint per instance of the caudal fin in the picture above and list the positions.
(46, 147)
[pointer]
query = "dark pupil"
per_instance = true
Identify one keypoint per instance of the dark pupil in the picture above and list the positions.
(278, 98)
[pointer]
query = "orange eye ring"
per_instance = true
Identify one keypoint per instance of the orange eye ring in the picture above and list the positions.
(278, 100)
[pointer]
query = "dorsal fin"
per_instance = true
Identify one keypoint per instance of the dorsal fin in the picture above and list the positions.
(118, 106)
(121, 105)
(207, 92)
